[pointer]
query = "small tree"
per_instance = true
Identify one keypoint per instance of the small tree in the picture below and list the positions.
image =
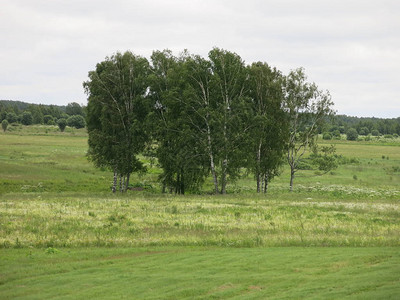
(336, 134)
(4, 125)
(48, 120)
(375, 132)
(11, 117)
(352, 134)
(327, 136)
(76, 121)
(307, 107)
(364, 131)
(62, 123)
(27, 118)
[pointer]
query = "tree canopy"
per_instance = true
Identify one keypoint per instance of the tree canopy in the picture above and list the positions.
(117, 112)
(200, 117)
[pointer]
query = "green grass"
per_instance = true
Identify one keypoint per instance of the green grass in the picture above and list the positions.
(200, 273)
(64, 235)
(51, 220)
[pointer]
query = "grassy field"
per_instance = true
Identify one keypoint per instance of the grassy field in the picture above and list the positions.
(64, 235)
(200, 273)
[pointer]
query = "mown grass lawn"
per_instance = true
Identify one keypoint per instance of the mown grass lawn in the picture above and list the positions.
(200, 273)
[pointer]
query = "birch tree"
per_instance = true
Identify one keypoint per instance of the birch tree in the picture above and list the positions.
(306, 107)
(269, 132)
(179, 149)
(232, 112)
(117, 110)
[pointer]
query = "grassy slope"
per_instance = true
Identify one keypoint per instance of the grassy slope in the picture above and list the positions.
(201, 273)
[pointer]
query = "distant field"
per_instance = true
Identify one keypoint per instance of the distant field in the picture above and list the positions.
(41, 159)
(63, 234)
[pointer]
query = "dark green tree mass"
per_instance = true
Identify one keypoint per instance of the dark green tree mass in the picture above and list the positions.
(117, 111)
(202, 118)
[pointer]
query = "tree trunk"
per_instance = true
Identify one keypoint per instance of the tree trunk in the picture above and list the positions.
(114, 187)
(223, 176)
(212, 164)
(182, 184)
(258, 168)
(127, 181)
(291, 180)
(265, 183)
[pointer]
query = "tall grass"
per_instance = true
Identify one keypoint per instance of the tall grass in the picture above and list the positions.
(144, 220)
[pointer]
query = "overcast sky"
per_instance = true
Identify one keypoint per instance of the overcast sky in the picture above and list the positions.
(351, 48)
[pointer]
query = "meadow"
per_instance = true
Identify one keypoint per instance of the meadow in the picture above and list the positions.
(63, 234)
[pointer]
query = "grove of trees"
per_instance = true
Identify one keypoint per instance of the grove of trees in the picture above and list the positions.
(201, 117)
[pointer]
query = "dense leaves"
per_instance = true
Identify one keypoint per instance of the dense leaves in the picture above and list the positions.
(116, 114)
(200, 117)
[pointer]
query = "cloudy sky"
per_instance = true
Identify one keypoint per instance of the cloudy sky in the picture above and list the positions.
(349, 47)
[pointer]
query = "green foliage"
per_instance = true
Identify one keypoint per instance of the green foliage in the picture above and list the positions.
(307, 108)
(375, 132)
(269, 131)
(352, 134)
(37, 113)
(363, 131)
(325, 158)
(4, 125)
(328, 135)
(27, 118)
(12, 117)
(48, 120)
(62, 123)
(76, 121)
(174, 124)
(74, 109)
(117, 112)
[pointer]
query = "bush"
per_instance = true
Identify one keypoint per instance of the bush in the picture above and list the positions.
(375, 132)
(62, 123)
(76, 121)
(388, 136)
(27, 118)
(48, 120)
(336, 134)
(364, 131)
(4, 125)
(352, 134)
(12, 117)
(327, 136)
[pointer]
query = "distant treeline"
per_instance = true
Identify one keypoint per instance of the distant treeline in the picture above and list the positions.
(341, 124)
(12, 111)
(28, 114)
